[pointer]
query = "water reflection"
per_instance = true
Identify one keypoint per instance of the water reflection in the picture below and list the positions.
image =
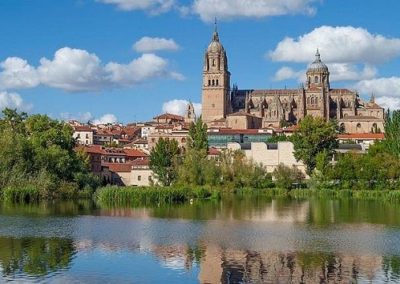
(34, 256)
(236, 240)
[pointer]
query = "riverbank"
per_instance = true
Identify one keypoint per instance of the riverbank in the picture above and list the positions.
(125, 196)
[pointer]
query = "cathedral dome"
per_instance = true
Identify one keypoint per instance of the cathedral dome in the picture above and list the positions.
(215, 45)
(317, 65)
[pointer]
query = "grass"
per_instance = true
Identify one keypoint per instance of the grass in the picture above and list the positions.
(126, 196)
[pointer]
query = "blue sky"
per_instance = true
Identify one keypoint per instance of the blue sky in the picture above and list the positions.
(77, 58)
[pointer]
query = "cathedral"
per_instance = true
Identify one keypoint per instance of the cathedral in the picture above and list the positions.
(230, 107)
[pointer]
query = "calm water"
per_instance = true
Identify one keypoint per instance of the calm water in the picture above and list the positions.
(231, 241)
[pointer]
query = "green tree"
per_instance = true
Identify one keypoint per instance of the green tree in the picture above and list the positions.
(163, 160)
(392, 133)
(198, 135)
(286, 176)
(313, 136)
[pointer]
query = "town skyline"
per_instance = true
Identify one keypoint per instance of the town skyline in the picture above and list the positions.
(108, 69)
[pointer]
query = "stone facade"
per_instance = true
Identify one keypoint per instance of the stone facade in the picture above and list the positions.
(273, 107)
(271, 155)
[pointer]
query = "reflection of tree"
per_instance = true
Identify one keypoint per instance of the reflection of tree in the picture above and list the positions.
(35, 256)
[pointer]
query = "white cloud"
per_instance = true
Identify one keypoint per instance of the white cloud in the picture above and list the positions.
(286, 73)
(145, 67)
(152, 6)
(76, 70)
(105, 119)
(389, 102)
(151, 44)
(82, 117)
(72, 70)
(228, 9)
(17, 73)
(179, 107)
(13, 101)
(338, 45)
(388, 87)
(386, 90)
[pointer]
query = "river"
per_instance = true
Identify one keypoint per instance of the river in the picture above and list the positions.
(235, 240)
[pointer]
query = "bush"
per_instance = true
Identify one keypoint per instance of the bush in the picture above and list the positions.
(285, 177)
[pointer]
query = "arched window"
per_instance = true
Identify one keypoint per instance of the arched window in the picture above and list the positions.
(316, 79)
(342, 128)
(312, 100)
(213, 82)
(316, 101)
(213, 62)
(209, 82)
(358, 126)
(216, 82)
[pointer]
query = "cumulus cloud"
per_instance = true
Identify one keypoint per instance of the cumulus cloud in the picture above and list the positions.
(17, 73)
(72, 70)
(150, 44)
(145, 67)
(339, 45)
(386, 90)
(179, 107)
(338, 72)
(82, 117)
(105, 119)
(76, 70)
(152, 6)
(14, 101)
(286, 73)
(229, 9)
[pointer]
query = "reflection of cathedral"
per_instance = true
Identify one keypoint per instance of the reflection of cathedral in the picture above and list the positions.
(244, 109)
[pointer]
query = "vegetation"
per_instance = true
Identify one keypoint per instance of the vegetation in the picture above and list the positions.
(286, 177)
(128, 196)
(314, 135)
(38, 160)
(163, 160)
(379, 169)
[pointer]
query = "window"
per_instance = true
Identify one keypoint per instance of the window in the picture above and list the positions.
(316, 101)
(213, 62)
(217, 82)
(87, 136)
(358, 125)
(78, 136)
(213, 82)
(209, 82)
(213, 105)
(139, 178)
(316, 79)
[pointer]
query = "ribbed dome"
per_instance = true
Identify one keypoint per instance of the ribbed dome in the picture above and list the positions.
(317, 65)
(215, 45)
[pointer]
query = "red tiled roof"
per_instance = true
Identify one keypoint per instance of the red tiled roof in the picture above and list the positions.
(82, 128)
(134, 153)
(116, 167)
(374, 136)
(213, 151)
(140, 162)
(169, 116)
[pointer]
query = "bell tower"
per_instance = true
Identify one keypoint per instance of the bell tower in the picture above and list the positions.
(216, 81)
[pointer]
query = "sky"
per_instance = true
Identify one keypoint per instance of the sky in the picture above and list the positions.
(129, 60)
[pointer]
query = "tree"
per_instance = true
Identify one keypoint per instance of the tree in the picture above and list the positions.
(286, 176)
(392, 133)
(163, 160)
(313, 136)
(198, 135)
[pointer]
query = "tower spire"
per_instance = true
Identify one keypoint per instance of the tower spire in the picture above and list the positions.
(215, 34)
(317, 56)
